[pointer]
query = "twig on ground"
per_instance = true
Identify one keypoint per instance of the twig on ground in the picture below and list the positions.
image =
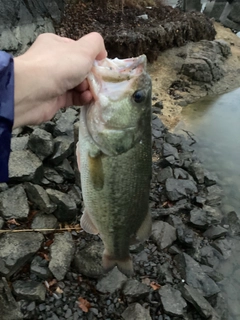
(42, 230)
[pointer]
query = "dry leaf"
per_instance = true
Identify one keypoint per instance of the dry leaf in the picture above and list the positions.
(52, 283)
(84, 304)
(48, 243)
(146, 281)
(44, 256)
(155, 285)
(59, 290)
(13, 221)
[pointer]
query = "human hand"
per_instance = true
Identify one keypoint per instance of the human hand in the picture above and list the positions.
(51, 75)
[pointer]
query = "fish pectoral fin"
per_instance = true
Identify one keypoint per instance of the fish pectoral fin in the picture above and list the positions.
(96, 171)
(124, 265)
(144, 231)
(87, 224)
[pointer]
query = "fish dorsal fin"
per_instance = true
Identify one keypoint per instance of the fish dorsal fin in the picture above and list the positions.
(87, 224)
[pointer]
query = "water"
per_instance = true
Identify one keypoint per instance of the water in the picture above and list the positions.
(215, 123)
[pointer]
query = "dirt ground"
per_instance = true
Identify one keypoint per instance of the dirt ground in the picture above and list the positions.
(127, 34)
(164, 72)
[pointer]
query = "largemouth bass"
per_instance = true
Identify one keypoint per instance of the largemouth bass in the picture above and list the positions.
(114, 153)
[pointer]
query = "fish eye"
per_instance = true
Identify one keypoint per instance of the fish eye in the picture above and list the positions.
(138, 96)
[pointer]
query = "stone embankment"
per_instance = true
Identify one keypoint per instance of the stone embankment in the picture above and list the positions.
(22, 21)
(54, 272)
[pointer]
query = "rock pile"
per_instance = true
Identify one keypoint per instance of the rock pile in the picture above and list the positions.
(56, 275)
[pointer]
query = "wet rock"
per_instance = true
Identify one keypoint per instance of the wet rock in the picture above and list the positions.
(215, 232)
(197, 171)
(88, 260)
(173, 303)
(164, 273)
(39, 267)
(233, 221)
(157, 124)
(63, 148)
(169, 150)
(184, 234)
(194, 276)
(76, 194)
(193, 296)
(9, 307)
(14, 203)
(164, 174)
(19, 143)
(52, 175)
(214, 195)
(65, 170)
(136, 312)
(178, 189)
(214, 215)
(173, 139)
(64, 125)
(66, 206)
(156, 133)
(174, 250)
(224, 246)
(44, 221)
(25, 166)
(30, 290)
(199, 219)
(39, 197)
(179, 173)
(168, 161)
(134, 289)
(16, 249)
(219, 303)
(62, 251)
(41, 143)
(210, 256)
(112, 282)
(163, 234)
(212, 273)
(210, 178)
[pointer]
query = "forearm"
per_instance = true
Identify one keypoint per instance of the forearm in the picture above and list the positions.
(6, 111)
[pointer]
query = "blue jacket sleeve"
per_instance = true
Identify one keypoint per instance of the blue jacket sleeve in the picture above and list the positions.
(6, 111)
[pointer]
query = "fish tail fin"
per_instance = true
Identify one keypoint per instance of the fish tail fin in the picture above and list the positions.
(124, 265)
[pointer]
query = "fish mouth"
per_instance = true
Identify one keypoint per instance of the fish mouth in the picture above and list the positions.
(113, 77)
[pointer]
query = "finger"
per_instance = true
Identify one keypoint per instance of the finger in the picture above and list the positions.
(82, 86)
(75, 98)
(94, 41)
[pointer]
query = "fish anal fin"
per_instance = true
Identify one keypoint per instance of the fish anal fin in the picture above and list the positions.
(144, 231)
(124, 265)
(87, 224)
(96, 171)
